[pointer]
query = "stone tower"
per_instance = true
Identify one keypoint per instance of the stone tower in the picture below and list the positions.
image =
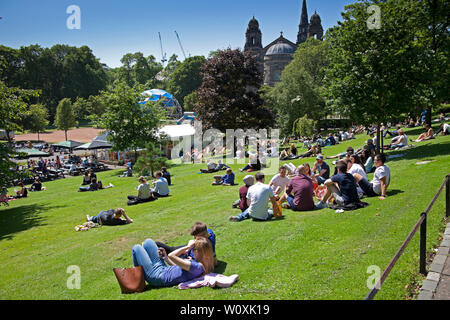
(303, 26)
(253, 43)
(315, 27)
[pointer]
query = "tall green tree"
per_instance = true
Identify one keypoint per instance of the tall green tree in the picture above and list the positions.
(37, 119)
(13, 106)
(65, 118)
(375, 70)
(433, 37)
(186, 78)
(131, 125)
(228, 97)
(299, 92)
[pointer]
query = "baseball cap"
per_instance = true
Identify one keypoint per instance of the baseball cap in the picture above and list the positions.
(319, 157)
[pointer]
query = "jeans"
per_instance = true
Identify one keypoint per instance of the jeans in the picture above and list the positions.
(290, 200)
(320, 180)
(147, 256)
(245, 215)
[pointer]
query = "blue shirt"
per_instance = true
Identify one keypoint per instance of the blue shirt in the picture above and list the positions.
(228, 178)
(324, 166)
(173, 275)
(212, 239)
(161, 186)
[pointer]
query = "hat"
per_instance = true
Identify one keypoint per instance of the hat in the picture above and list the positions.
(370, 141)
(249, 180)
(319, 157)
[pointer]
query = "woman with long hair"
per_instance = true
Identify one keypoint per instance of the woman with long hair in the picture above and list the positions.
(161, 270)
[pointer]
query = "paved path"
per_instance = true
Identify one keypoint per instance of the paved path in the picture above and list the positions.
(437, 284)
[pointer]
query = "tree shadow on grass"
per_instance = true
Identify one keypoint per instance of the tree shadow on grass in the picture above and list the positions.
(422, 151)
(14, 220)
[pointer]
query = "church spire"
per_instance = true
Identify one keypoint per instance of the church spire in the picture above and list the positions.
(304, 25)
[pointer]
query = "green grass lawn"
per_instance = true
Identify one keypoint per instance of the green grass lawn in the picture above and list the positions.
(311, 255)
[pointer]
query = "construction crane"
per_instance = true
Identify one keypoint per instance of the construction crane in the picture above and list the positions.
(163, 55)
(179, 41)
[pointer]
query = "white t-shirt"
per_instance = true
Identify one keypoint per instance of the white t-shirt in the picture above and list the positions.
(278, 181)
(446, 128)
(356, 168)
(259, 195)
(380, 172)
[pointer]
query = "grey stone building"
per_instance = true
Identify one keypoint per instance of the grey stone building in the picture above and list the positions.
(273, 58)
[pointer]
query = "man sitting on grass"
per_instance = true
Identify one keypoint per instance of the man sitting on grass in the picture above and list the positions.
(279, 182)
(258, 197)
(381, 179)
(161, 188)
(299, 192)
(342, 186)
(225, 180)
(110, 217)
(323, 170)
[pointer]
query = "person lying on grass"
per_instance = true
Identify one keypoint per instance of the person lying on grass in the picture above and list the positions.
(427, 135)
(111, 217)
(199, 229)
(342, 186)
(225, 180)
(381, 179)
(162, 270)
(399, 141)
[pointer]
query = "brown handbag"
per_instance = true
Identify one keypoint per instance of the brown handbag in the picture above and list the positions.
(131, 280)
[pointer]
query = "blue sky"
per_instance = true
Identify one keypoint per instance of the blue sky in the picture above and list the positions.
(116, 27)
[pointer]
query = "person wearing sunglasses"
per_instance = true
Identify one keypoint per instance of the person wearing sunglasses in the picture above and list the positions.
(381, 179)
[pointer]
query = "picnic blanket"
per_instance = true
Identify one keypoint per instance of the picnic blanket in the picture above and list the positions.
(86, 226)
(210, 280)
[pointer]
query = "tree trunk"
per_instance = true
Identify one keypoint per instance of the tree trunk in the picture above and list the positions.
(428, 117)
(378, 138)
(38, 136)
(65, 132)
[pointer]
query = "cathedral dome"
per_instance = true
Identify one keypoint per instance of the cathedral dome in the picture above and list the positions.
(315, 19)
(253, 25)
(281, 48)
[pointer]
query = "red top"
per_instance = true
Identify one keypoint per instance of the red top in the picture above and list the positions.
(302, 188)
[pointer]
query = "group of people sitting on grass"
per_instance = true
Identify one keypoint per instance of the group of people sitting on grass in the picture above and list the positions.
(90, 179)
(345, 188)
(146, 193)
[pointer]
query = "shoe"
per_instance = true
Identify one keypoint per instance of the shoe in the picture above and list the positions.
(233, 219)
(321, 205)
(88, 218)
(286, 206)
(111, 185)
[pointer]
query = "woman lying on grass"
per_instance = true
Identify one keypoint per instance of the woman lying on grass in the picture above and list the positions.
(177, 270)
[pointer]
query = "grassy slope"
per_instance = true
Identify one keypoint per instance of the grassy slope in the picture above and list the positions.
(312, 255)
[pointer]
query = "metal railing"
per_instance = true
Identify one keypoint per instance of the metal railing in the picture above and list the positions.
(422, 224)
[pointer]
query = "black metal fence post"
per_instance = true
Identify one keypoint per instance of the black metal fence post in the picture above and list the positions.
(423, 245)
(447, 197)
